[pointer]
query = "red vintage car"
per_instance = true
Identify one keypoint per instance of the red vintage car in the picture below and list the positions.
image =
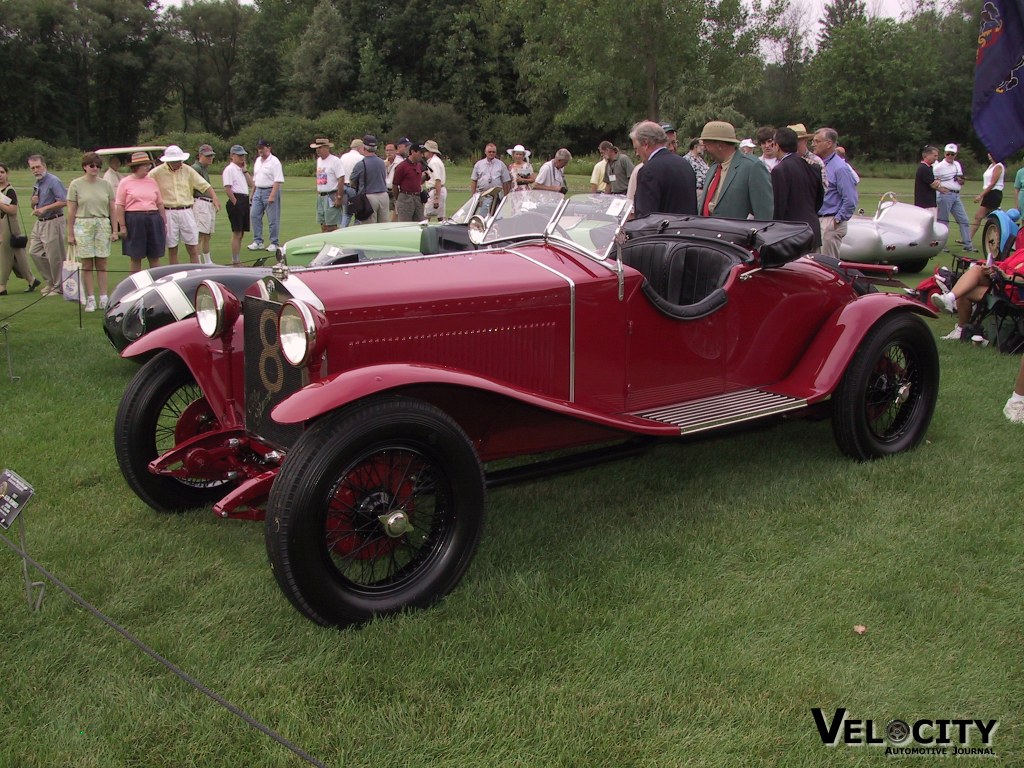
(359, 407)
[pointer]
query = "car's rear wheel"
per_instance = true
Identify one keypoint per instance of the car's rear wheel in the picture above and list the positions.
(886, 398)
(162, 407)
(377, 509)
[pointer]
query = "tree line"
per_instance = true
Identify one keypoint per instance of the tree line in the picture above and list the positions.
(547, 73)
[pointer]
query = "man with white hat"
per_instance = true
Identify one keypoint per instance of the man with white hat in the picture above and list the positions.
(950, 176)
(179, 185)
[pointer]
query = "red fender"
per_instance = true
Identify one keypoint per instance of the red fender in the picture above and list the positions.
(829, 354)
(205, 358)
(347, 387)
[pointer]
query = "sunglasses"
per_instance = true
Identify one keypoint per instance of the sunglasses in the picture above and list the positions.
(91, 165)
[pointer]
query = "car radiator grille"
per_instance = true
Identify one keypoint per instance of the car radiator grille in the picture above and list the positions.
(269, 378)
(721, 410)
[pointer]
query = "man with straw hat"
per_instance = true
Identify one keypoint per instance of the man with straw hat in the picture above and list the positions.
(330, 187)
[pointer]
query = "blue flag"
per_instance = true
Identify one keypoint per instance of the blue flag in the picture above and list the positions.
(998, 104)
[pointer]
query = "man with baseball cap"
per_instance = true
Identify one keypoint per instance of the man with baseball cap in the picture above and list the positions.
(238, 186)
(179, 186)
(268, 176)
(206, 214)
(950, 175)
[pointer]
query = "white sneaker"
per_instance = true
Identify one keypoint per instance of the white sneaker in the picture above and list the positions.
(946, 301)
(255, 245)
(1014, 411)
(90, 304)
(103, 302)
(273, 247)
(954, 335)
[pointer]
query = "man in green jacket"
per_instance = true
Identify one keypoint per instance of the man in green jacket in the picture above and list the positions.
(737, 186)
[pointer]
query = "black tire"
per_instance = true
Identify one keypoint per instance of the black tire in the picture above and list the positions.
(887, 395)
(329, 544)
(162, 406)
(914, 266)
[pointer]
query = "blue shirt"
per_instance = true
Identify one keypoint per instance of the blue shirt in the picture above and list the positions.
(370, 174)
(50, 190)
(841, 194)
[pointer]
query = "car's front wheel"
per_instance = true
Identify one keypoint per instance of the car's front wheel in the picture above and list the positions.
(162, 407)
(886, 398)
(378, 508)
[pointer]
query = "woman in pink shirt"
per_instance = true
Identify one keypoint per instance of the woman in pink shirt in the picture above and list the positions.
(140, 214)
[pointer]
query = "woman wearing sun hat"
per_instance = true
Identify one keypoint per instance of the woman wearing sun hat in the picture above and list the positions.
(520, 168)
(140, 214)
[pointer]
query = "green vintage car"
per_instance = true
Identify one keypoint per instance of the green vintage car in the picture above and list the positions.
(392, 239)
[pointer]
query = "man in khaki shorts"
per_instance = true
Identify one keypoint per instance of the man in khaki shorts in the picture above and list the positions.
(178, 184)
(206, 214)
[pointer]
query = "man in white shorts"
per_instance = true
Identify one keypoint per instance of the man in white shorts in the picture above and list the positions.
(178, 183)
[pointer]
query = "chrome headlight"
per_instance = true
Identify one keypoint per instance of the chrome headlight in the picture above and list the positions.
(216, 309)
(476, 228)
(300, 332)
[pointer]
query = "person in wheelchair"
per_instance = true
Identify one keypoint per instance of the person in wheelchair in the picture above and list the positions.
(974, 284)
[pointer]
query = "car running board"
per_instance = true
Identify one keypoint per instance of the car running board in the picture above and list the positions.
(721, 410)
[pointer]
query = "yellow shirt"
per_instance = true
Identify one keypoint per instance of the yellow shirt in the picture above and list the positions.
(176, 186)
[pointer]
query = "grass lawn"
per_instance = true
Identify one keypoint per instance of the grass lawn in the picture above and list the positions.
(687, 607)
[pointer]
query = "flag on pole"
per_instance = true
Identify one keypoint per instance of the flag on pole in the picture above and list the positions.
(998, 105)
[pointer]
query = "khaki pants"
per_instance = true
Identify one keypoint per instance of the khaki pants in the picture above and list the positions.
(832, 235)
(409, 207)
(47, 246)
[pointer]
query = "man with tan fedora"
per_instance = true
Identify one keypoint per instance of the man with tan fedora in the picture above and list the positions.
(737, 185)
(803, 149)
(330, 175)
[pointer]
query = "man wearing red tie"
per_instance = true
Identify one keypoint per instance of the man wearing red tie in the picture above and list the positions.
(737, 186)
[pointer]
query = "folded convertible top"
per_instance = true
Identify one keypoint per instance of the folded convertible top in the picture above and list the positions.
(777, 241)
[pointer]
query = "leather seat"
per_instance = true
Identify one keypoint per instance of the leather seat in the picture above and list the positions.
(682, 279)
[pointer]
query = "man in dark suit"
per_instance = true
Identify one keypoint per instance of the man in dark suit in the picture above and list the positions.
(796, 185)
(666, 182)
(737, 185)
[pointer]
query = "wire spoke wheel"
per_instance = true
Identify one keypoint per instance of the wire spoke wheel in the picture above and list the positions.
(886, 398)
(378, 508)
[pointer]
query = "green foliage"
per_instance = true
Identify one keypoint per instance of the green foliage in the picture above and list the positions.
(320, 63)
(547, 73)
(288, 134)
(421, 120)
(15, 153)
(341, 126)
